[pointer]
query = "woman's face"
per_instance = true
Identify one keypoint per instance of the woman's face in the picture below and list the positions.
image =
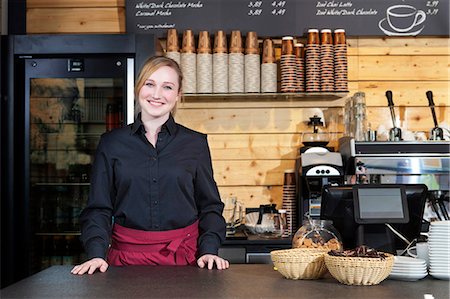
(159, 93)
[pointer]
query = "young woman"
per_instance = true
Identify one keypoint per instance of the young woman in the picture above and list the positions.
(153, 199)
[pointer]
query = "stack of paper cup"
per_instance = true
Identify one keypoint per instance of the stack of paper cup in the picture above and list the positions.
(290, 201)
(220, 63)
(340, 61)
(172, 46)
(313, 61)
(299, 51)
(326, 61)
(288, 68)
(204, 63)
(268, 67)
(252, 67)
(188, 62)
(236, 64)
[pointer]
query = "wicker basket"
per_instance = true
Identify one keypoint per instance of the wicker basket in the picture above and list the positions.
(300, 263)
(359, 270)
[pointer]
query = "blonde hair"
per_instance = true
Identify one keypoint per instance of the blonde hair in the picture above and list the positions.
(150, 66)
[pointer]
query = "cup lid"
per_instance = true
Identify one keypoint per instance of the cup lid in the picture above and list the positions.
(188, 45)
(236, 42)
(204, 42)
(268, 55)
(251, 43)
(172, 41)
(220, 42)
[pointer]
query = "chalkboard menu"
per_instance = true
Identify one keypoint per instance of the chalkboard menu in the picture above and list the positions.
(291, 17)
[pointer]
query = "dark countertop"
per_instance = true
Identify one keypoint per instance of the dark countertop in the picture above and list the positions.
(240, 281)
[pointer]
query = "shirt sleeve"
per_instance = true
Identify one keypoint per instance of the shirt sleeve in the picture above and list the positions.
(96, 218)
(212, 225)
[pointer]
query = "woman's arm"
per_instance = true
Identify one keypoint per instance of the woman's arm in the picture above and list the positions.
(96, 218)
(212, 225)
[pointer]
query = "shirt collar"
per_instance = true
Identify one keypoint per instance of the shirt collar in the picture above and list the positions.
(169, 125)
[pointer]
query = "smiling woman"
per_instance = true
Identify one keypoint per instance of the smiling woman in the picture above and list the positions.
(152, 189)
(173, 77)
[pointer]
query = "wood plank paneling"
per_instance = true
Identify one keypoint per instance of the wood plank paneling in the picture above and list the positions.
(405, 93)
(410, 118)
(253, 196)
(420, 46)
(267, 120)
(402, 68)
(259, 146)
(76, 20)
(251, 172)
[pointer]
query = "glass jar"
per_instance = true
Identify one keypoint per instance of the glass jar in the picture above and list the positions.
(319, 234)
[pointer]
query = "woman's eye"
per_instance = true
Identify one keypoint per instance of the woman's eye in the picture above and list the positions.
(168, 87)
(149, 84)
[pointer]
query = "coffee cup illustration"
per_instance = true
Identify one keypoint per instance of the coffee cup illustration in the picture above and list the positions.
(403, 18)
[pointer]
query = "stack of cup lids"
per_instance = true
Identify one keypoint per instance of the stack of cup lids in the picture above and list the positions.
(340, 61)
(220, 63)
(189, 62)
(312, 77)
(299, 50)
(236, 63)
(252, 68)
(288, 67)
(326, 61)
(172, 45)
(268, 67)
(290, 201)
(204, 63)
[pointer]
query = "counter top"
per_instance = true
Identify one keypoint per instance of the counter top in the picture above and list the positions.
(240, 281)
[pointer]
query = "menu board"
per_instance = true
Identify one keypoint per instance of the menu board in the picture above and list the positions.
(291, 17)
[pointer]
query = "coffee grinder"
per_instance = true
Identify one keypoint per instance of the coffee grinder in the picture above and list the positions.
(317, 165)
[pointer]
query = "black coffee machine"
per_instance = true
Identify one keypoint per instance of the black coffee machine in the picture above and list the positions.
(316, 165)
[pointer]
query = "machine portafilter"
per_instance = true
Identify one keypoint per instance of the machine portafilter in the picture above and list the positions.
(395, 133)
(436, 133)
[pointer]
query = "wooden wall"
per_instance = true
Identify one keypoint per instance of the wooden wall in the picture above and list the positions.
(253, 142)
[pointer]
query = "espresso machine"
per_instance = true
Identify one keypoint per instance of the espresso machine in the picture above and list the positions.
(401, 162)
(316, 165)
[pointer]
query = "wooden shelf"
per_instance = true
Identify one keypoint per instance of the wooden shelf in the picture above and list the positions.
(263, 100)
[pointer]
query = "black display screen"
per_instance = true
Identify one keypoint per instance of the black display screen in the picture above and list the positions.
(380, 204)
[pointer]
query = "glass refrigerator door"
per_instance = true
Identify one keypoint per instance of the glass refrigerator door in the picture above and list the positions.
(71, 103)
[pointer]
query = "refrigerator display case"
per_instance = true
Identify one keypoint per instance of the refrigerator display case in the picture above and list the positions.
(66, 92)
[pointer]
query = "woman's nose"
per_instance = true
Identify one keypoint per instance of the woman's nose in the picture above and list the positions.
(157, 93)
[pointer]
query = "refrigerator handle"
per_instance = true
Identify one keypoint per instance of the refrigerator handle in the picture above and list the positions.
(130, 90)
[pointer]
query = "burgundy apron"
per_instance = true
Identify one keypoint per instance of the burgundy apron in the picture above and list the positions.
(176, 247)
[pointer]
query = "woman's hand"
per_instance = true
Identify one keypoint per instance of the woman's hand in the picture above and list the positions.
(90, 266)
(210, 259)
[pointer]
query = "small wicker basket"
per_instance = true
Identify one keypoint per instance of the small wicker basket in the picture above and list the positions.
(359, 270)
(300, 263)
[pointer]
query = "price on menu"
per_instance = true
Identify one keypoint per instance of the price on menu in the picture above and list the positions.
(278, 3)
(434, 3)
(278, 12)
(255, 4)
(254, 12)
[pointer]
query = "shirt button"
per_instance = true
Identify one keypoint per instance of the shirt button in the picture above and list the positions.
(154, 180)
(153, 158)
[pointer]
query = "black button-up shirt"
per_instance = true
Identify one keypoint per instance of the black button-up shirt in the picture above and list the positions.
(154, 189)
